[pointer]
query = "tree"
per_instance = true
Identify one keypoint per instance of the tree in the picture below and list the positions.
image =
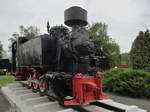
(1, 50)
(140, 51)
(14, 37)
(29, 32)
(125, 58)
(105, 44)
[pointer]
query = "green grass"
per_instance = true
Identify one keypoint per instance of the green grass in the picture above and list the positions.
(4, 80)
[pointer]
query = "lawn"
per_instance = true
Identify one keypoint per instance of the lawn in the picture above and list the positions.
(4, 80)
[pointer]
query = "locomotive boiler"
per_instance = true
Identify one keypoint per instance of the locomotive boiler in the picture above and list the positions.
(59, 64)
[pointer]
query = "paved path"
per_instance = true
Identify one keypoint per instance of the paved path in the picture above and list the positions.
(142, 103)
(4, 104)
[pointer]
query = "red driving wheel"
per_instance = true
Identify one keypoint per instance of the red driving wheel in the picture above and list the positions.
(35, 83)
(42, 86)
(35, 86)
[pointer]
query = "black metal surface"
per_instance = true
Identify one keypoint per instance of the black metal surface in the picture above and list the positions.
(13, 64)
(81, 42)
(34, 52)
(109, 107)
(59, 85)
(75, 16)
(78, 108)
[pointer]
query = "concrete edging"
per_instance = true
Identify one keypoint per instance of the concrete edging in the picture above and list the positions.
(24, 100)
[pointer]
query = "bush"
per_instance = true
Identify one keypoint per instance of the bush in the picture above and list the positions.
(127, 82)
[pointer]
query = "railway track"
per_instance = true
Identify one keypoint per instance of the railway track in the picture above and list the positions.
(24, 100)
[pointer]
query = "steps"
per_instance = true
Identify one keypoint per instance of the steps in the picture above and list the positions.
(24, 100)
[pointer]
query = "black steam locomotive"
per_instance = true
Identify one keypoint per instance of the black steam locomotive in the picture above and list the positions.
(52, 61)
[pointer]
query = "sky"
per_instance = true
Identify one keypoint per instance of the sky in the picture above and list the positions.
(125, 18)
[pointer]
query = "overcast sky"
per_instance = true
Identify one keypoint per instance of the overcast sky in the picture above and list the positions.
(125, 18)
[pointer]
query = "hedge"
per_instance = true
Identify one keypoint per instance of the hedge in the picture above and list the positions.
(135, 83)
